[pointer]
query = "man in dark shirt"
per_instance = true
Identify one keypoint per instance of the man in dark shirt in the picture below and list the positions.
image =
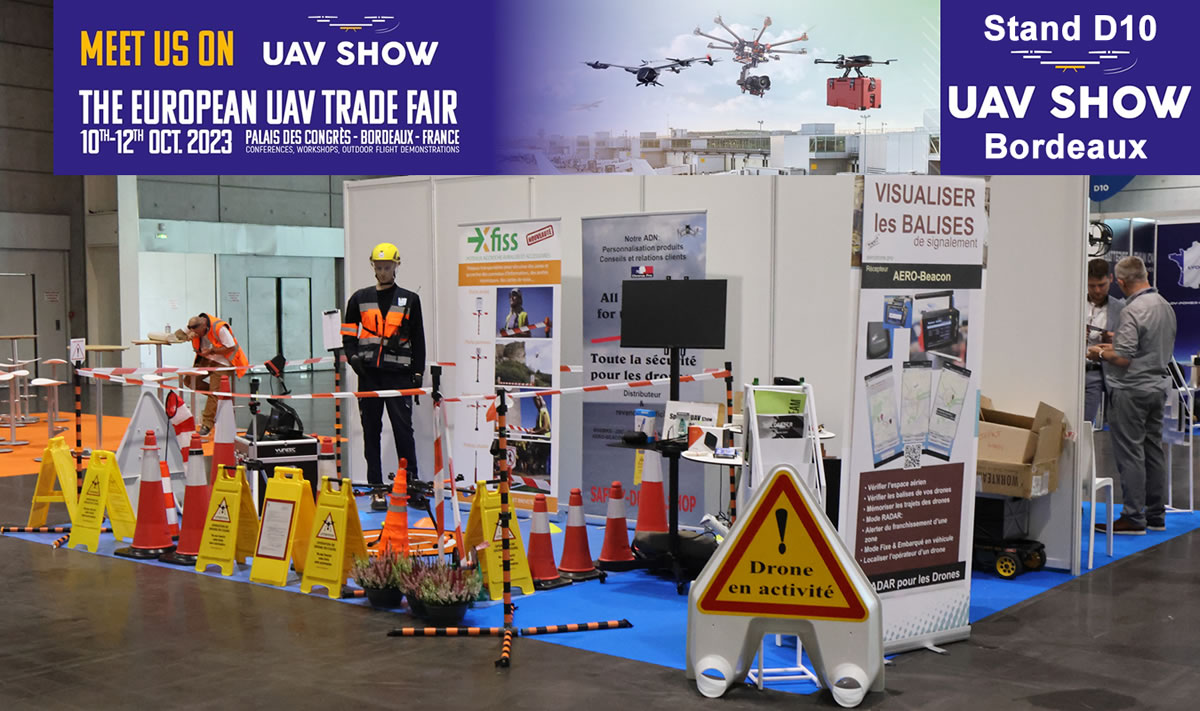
(384, 338)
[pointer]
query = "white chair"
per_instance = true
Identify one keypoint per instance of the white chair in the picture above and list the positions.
(1093, 484)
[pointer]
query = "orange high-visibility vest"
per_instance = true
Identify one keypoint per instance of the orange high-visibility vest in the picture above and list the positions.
(239, 359)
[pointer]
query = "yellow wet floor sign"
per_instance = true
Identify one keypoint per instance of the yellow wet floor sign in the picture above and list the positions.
(283, 533)
(335, 539)
(231, 526)
(485, 516)
(103, 491)
(780, 564)
(57, 467)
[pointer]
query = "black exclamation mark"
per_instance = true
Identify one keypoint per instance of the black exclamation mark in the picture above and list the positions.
(781, 520)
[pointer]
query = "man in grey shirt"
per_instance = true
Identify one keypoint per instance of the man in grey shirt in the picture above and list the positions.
(1137, 377)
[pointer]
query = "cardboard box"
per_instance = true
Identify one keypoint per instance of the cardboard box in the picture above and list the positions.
(1018, 455)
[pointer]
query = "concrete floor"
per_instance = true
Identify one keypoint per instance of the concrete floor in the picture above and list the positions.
(85, 631)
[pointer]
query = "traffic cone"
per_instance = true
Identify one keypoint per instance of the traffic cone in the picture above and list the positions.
(577, 557)
(615, 554)
(224, 431)
(182, 421)
(541, 550)
(652, 504)
(195, 499)
(326, 465)
(395, 524)
(151, 538)
(169, 500)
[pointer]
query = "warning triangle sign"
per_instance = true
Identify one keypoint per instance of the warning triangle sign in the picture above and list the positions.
(780, 565)
(327, 531)
(222, 512)
(502, 532)
(94, 489)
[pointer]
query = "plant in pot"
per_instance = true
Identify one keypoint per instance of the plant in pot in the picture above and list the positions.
(380, 576)
(446, 592)
(410, 582)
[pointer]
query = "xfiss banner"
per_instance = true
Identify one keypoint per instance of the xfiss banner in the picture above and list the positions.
(509, 296)
(256, 88)
(617, 249)
(1033, 88)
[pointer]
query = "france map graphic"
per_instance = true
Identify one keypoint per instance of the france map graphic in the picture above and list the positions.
(1188, 261)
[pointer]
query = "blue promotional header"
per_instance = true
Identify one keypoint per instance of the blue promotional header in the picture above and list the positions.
(1068, 88)
(252, 88)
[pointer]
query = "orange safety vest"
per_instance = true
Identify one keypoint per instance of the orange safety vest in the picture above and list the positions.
(239, 359)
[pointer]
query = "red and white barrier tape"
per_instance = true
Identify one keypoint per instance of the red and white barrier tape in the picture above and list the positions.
(129, 380)
(524, 329)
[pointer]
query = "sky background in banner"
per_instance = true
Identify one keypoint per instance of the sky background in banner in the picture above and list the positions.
(972, 60)
(547, 43)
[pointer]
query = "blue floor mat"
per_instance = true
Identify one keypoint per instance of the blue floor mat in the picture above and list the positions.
(659, 615)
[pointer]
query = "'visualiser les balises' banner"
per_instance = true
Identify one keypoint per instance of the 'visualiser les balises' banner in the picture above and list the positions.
(256, 88)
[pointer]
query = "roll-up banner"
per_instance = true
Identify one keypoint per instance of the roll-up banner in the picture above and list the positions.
(509, 297)
(616, 249)
(910, 487)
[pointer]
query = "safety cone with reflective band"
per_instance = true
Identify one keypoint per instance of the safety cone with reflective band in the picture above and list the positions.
(195, 506)
(224, 432)
(395, 524)
(181, 421)
(326, 460)
(576, 561)
(169, 500)
(616, 554)
(151, 538)
(652, 503)
(541, 550)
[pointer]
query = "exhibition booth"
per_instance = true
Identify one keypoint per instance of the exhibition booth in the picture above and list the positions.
(817, 344)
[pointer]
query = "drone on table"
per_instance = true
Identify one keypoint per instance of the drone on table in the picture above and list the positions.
(648, 73)
(854, 62)
(750, 54)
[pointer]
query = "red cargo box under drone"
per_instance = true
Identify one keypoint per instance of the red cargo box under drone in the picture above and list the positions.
(856, 93)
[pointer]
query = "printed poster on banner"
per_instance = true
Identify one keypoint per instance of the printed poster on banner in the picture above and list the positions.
(509, 299)
(909, 496)
(617, 249)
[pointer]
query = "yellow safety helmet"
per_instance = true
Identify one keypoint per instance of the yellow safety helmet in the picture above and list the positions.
(385, 252)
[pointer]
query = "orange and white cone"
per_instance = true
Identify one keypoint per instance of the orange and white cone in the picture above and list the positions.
(169, 500)
(576, 561)
(182, 421)
(652, 503)
(326, 464)
(195, 508)
(395, 524)
(151, 538)
(541, 550)
(224, 432)
(616, 554)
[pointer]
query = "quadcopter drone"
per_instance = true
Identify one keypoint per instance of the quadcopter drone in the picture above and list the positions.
(751, 54)
(648, 73)
(855, 62)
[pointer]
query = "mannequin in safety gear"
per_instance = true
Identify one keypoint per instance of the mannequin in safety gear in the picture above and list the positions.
(383, 335)
(215, 347)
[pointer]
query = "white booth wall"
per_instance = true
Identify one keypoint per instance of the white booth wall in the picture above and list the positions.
(784, 245)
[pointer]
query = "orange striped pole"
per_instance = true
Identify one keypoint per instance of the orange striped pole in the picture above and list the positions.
(578, 627)
(78, 425)
(732, 470)
(337, 409)
(448, 632)
(505, 561)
